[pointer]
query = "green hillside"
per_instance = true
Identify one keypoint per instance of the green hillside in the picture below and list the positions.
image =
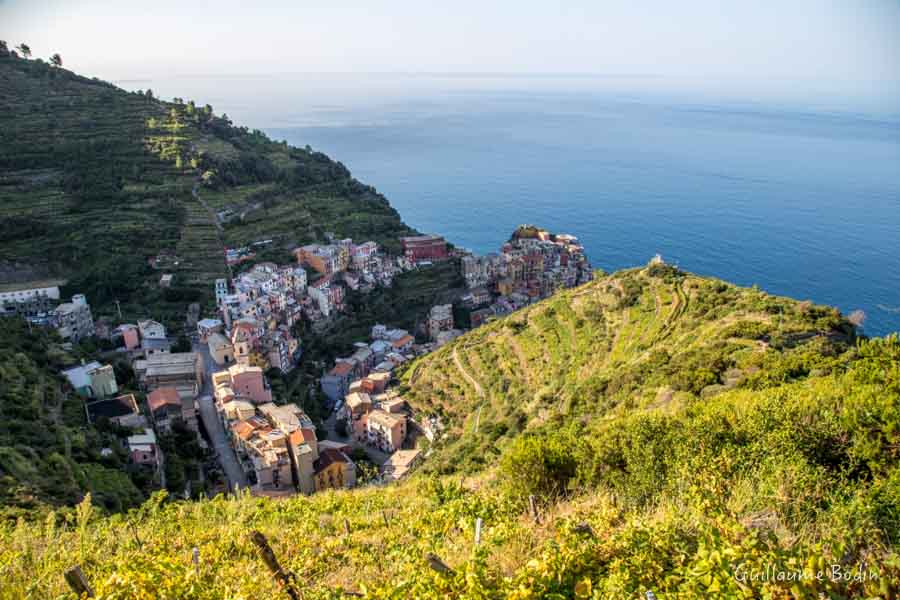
(644, 339)
(96, 181)
(678, 435)
(48, 457)
(688, 501)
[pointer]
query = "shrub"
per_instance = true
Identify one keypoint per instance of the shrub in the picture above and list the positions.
(540, 464)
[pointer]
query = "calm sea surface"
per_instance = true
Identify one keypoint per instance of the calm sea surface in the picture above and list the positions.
(804, 202)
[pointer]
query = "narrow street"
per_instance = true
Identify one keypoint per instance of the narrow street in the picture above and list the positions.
(224, 452)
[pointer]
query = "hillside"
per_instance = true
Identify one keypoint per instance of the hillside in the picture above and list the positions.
(654, 338)
(96, 181)
(691, 500)
(47, 455)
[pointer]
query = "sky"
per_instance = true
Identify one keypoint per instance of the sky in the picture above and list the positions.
(812, 47)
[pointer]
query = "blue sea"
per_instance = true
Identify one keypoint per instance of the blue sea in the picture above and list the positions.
(802, 200)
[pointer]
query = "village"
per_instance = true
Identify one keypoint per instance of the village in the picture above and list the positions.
(210, 390)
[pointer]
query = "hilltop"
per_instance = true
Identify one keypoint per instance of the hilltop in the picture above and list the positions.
(652, 338)
(97, 183)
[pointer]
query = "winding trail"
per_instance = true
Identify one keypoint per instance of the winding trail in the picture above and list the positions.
(466, 375)
(474, 383)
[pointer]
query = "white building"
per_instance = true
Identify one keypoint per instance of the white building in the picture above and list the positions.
(73, 319)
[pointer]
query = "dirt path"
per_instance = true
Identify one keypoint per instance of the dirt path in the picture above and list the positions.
(215, 222)
(466, 375)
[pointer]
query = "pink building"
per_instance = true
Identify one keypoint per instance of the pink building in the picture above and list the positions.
(130, 336)
(243, 382)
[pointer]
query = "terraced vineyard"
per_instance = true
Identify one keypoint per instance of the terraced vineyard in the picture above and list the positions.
(95, 182)
(683, 501)
(636, 339)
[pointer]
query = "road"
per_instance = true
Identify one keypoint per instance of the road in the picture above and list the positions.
(224, 452)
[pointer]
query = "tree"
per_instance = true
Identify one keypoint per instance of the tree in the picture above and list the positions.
(4, 49)
(56, 60)
(182, 344)
(24, 49)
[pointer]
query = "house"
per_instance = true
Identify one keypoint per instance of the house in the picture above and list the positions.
(167, 407)
(92, 380)
(440, 318)
(151, 330)
(131, 336)
(25, 301)
(244, 339)
(166, 280)
(393, 405)
(206, 327)
(424, 247)
(345, 448)
(73, 320)
(303, 447)
(386, 431)
(291, 419)
(479, 296)
(326, 260)
(221, 288)
(336, 383)
(403, 344)
(181, 370)
(265, 454)
(220, 349)
(357, 406)
(143, 449)
(445, 337)
(373, 383)
(103, 381)
(334, 470)
(241, 381)
(121, 410)
(156, 346)
(399, 464)
(480, 317)
(238, 410)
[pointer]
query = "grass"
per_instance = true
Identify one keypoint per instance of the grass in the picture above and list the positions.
(682, 502)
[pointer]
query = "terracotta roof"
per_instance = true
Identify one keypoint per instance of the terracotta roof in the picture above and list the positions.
(406, 339)
(243, 429)
(309, 435)
(296, 437)
(163, 396)
(342, 368)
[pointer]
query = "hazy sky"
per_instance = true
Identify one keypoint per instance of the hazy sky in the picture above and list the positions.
(850, 47)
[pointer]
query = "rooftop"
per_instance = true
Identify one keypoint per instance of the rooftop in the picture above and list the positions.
(112, 407)
(342, 368)
(163, 396)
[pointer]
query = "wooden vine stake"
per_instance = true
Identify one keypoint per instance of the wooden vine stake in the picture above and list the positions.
(347, 527)
(195, 557)
(532, 508)
(78, 582)
(435, 562)
(284, 578)
(477, 531)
